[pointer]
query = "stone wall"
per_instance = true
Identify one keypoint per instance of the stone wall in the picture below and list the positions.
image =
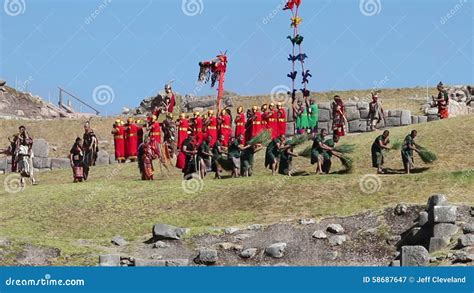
(358, 118)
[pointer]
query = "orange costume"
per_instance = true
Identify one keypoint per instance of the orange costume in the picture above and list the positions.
(240, 124)
(212, 128)
(256, 122)
(131, 140)
(198, 128)
(273, 121)
(155, 134)
(225, 127)
(183, 125)
(281, 120)
(119, 141)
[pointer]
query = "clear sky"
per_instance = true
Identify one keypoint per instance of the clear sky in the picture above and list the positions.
(135, 47)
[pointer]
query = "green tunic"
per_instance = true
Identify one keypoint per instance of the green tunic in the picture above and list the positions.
(247, 159)
(234, 150)
(313, 116)
(304, 119)
(327, 156)
(316, 149)
(272, 152)
(284, 167)
(407, 152)
(376, 150)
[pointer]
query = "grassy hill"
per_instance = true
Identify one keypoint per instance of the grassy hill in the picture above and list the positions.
(58, 213)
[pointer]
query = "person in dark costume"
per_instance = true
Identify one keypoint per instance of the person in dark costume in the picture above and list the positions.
(76, 157)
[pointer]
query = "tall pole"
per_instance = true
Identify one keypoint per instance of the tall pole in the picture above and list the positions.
(220, 90)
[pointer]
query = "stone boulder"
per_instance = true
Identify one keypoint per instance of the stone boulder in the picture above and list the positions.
(445, 230)
(324, 115)
(436, 200)
(248, 253)
(60, 163)
(337, 239)
(414, 256)
(109, 260)
(358, 126)
(352, 113)
(103, 158)
(40, 148)
(163, 231)
(392, 121)
(335, 229)
(466, 240)
(405, 118)
(276, 250)
(41, 163)
(119, 241)
(207, 256)
(438, 243)
(444, 214)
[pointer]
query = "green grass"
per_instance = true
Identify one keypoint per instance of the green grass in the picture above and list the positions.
(58, 213)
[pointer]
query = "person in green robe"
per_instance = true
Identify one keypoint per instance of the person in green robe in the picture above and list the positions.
(380, 144)
(301, 116)
(286, 157)
(317, 150)
(408, 147)
(234, 152)
(313, 115)
(272, 153)
(247, 159)
(217, 152)
(327, 154)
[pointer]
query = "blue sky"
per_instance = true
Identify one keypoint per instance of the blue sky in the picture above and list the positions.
(135, 47)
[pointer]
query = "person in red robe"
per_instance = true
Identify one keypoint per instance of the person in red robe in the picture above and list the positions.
(211, 123)
(183, 125)
(442, 101)
(240, 121)
(265, 116)
(183, 152)
(154, 133)
(273, 121)
(256, 122)
(118, 131)
(225, 126)
(131, 140)
(281, 119)
(197, 128)
(139, 124)
(339, 116)
(169, 100)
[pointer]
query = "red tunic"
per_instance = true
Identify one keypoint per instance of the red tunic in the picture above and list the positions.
(132, 141)
(274, 124)
(198, 130)
(240, 127)
(212, 130)
(119, 142)
(281, 122)
(155, 132)
(256, 124)
(226, 129)
(443, 110)
(183, 126)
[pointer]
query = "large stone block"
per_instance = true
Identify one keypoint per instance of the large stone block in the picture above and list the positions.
(140, 262)
(422, 119)
(438, 243)
(414, 256)
(466, 240)
(364, 113)
(444, 214)
(163, 231)
(414, 119)
(363, 105)
(324, 115)
(102, 158)
(41, 163)
(433, 117)
(394, 113)
(109, 260)
(326, 106)
(392, 121)
(445, 230)
(112, 159)
(3, 164)
(436, 200)
(59, 163)
(40, 148)
(324, 125)
(352, 113)
(405, 118)
(358, 126)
